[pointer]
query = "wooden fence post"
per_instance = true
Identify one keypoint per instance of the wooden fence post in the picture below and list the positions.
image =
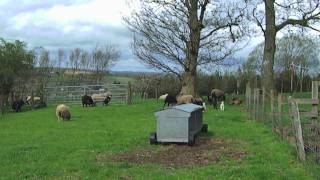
(272, 109)
(315, 89)
(129, 94)
(258, 108)
(254, 103)
(263, 107)
(279, 119)
(297, 129)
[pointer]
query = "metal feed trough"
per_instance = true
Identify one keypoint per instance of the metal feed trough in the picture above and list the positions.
(178, 124)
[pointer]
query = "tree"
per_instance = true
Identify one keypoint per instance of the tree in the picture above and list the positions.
(277, 16)
(179, 36)
(14, 59)
(45, 66)
(74, 61)
(297, 51)
(291, 49)
(103, 57)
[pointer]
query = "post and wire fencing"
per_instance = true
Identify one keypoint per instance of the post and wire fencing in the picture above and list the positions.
(295, 119)
(120, 93)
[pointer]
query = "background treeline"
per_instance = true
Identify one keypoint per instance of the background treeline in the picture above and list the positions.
(24, 71)
(296, 64)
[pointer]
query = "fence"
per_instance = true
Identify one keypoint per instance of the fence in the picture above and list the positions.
(294, 119)
(121, 93)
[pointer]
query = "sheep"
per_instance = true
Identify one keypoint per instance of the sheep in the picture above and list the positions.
(163, 96)
(236, 101)
(222, 106)
(170, 100)
(184, 99)
(217, 95)
(16, 105)
(62, 111)
(87, 100)
(200, 102)
(35, 100)
(105, 98)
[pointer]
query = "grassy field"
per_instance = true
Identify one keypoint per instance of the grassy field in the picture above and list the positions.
(34, 145)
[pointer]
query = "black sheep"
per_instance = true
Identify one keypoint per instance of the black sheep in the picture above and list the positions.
(170, 100)
(16, 105)
(107, 100)
(87, 100)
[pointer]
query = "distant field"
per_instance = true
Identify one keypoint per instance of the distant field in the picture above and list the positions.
(101, 142)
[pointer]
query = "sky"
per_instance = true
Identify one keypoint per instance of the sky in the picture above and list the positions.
(68, 24)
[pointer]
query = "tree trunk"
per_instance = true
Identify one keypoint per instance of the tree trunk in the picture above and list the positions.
(189, 78)
(188, 83)
(269, 46)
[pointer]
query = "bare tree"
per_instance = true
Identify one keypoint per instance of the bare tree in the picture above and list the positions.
(74, 61)
(45, 70)
(276, 16)
(179, 36)
(103, 57)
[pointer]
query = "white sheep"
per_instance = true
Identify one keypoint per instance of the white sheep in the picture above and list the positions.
(35, 99)
(62, 111)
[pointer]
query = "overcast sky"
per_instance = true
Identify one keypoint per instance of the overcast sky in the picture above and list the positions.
(68, 24)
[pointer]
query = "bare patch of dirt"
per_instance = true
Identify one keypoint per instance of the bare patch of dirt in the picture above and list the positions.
(205, 151)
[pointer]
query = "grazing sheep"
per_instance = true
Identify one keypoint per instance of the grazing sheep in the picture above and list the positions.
(184, 99)
(200, 102)
(236, 101)
(16, 105)
(170, 100)
(222, 106)
(35, 100)
(107, 100)
(101, 98)
(87, 100)
(62, 111)
(217, 95)
(163, 96)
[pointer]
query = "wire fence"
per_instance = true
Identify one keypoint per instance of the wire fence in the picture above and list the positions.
(295, 119)
(121, 93)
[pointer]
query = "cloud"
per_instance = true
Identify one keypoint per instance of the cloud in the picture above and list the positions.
(68, 24)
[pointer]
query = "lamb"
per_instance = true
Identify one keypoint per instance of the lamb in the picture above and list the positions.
(170, 100)
(62, 111)
(222, 106)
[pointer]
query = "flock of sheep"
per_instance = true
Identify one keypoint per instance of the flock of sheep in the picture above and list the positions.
(214, 97)
(63, 111)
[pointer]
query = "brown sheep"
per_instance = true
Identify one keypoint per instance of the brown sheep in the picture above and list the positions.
(184, 99)
(63, 112)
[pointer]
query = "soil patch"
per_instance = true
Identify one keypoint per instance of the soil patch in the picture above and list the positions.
(207, 150)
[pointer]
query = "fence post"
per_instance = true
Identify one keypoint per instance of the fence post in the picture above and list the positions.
(297, 129)
(279, 119)
(248, 100)
(315, 89)
(258, 108)
(129, 94)
(272, 109)
(263, 108)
